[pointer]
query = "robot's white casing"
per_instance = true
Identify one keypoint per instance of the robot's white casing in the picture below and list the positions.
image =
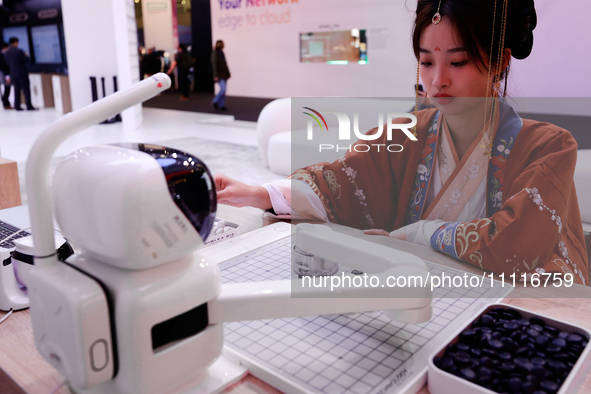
(142, 299)
(115, 202)
(71, 324)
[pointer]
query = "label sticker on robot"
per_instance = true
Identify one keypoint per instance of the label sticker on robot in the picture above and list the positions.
(166, 234)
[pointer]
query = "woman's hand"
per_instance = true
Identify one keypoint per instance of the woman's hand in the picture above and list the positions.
(375, 231)
(237, 194)
(398, 234)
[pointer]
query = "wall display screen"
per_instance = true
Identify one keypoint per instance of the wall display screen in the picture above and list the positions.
(46, 44)
(334, 47)
(19, 32)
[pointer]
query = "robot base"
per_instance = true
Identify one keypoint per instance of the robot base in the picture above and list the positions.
(220, 375)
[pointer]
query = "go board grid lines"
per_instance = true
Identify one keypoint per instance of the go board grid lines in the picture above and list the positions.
(341, 353)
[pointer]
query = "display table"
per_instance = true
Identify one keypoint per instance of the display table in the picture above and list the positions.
(20, 360)
(41, 90)
(61, 93)
(10, 192)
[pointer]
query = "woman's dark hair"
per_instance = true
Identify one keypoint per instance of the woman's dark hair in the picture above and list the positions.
(473, 22)
(219, 44)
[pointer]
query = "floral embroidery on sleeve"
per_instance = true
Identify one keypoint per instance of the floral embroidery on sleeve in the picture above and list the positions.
(498, 163)
(352, 174)
(536, 198)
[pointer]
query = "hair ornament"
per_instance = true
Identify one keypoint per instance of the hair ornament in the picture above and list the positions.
(437, 17)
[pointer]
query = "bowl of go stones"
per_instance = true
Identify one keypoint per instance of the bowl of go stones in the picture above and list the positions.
(511, 350)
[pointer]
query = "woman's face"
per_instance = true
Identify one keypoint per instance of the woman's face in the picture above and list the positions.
(447, 71)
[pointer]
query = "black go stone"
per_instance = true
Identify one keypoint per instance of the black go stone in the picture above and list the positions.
(526, 368)
(505, 356)
(553, 350)
(523, 352)
(484, 374)
(549, 386)
(468, 374)
(490, 353)
(574, 339)
(487, 362)
(468, 336)
(447, 364)
(509, 344)
(523, 322)
(486, 330)
(520, 360)
(564, 357)
(563, 334)
(487, 320)
(528, 387)
(495, 344)
(542, 341)
(508, 366)
(551, 330)
(513, 313)
(463, 358)
(511, 325)
(561, 343)
(557, 366)
(497, 335)
(515, 385)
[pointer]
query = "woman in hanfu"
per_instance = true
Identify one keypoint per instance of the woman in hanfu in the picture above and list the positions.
(480, 184)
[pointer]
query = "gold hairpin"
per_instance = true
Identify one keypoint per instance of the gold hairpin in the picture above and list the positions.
(437, 17)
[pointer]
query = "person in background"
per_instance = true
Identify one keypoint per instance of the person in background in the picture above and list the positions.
(221, 74)
(5, 76)
(19, 73)
(151, 63)
(182, 61)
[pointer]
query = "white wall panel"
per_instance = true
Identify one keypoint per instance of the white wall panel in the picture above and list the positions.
(264, 58)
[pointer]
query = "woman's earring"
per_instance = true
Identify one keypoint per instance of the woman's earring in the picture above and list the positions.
(496, 86)
(414, 129)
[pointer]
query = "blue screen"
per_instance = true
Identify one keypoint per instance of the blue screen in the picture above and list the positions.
(46, 44)
(19, 32)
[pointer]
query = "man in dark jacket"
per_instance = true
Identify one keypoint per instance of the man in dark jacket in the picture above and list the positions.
(19, 74)
(221, 74)
(5, 76)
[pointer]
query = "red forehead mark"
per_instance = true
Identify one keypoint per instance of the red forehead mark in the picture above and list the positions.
(437, 49)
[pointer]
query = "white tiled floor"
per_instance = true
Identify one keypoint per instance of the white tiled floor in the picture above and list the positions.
(18, 130)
